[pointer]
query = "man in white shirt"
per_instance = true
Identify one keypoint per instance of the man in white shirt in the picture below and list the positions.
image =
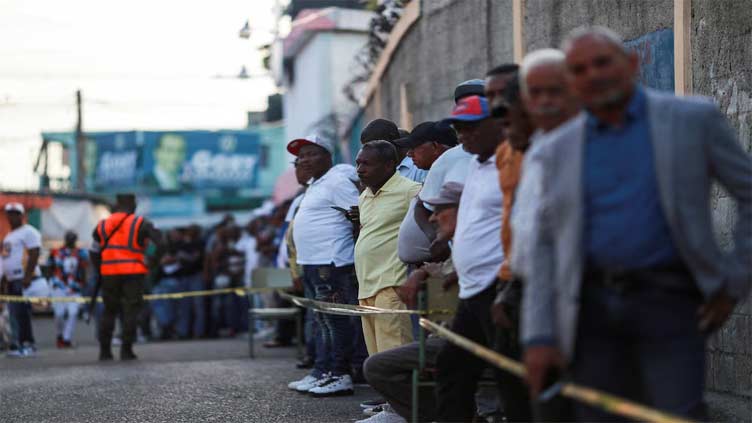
(477, 255)
(20, 251)
(325, 245)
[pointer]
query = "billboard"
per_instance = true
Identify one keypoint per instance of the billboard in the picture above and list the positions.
(113, 160)
(173, 161)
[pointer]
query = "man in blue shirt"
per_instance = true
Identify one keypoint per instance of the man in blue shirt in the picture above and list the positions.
(626, 278)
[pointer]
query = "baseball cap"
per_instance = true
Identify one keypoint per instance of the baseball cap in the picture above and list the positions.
(295, 145)
(449, 194)
(379, 129)
(468, 88)
(428, 132)
(470, 109)
(16, 207)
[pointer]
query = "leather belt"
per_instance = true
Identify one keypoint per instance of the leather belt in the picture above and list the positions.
(674, 276)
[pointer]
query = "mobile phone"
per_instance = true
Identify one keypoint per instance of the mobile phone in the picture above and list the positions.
(339, 209)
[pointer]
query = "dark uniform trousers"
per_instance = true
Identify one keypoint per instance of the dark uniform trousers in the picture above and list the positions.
(122, 295)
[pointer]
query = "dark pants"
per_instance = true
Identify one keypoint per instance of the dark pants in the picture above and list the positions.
(642, 343)
(512, 389)
(359, 350)
(333, 284)
(459, 370)
(226, 313)
(390, 373)
(285, 328)
(191, 311)
(21, 313)
(121, 294)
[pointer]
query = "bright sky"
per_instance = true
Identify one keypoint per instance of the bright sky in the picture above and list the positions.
(141, 64)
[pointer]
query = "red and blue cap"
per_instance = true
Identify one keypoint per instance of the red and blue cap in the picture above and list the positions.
(470, 109)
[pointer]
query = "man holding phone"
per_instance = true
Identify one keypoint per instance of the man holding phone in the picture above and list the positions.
(324, 240)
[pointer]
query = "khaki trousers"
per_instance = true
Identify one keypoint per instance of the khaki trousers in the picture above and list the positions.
(386, 331)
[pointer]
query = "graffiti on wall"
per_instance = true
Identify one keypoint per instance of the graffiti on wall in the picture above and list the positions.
(656, 52)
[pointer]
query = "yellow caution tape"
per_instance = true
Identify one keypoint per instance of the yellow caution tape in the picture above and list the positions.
(611, 403)
(150, 297)
(351, 309)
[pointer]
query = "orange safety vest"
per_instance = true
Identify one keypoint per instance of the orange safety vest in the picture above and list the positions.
(123, 255)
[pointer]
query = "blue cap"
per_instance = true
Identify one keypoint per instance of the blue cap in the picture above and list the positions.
(470, 109)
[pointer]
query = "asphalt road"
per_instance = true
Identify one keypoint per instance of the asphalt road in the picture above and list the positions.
(178, 381)
(186, 381)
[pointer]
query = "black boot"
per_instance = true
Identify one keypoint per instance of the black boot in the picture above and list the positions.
(105, 353)
(126, 352)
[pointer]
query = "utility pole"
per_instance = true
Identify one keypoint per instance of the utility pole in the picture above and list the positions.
(80, 147)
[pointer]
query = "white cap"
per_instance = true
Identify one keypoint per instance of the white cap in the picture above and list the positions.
(17, 207)
(295, 145)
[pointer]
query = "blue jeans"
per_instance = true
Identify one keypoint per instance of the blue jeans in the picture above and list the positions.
(191, 309)
(333, 284)
(360, 352)
(321, 354)
(643, 344)
(20, 313)
(226, 313)
(165, 311)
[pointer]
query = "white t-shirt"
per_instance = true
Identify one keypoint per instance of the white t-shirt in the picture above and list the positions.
(476, 251)
(322, 234)
(450, 166)
(14, 251)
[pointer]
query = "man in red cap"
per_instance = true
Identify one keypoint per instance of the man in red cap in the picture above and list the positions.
(324, 241)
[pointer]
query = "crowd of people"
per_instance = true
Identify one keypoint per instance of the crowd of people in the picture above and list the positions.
(571, 207)
(190, 259)
(567, 204)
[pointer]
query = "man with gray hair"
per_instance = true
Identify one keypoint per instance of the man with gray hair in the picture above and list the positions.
(630, 278)
(544, 102)
(548, 104)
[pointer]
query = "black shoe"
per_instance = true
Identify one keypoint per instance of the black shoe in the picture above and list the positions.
(359, 377)
(305, 363)
(126, 353)
(105, 353)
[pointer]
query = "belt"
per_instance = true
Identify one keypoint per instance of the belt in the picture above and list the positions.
(674, 276)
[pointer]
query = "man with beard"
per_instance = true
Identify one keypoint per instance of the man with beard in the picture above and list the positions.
(629, 279)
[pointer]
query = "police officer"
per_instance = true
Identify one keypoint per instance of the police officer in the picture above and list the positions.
(118, 252)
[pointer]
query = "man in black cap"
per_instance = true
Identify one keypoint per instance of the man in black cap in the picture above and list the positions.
(427, 142)
(118, 252)
(382, 129)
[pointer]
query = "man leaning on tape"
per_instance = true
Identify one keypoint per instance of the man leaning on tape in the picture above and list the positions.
(118, 253)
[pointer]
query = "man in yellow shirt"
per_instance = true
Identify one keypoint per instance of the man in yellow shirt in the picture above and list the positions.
(382, 208)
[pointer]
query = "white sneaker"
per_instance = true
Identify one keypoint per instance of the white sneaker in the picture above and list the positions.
(373, 410)
(28, 352)
(305, 387)
(337, 386)
(306, 380)
(386, 416)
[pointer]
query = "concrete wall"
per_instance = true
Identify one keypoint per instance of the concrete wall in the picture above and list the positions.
(455, 40)
(452, 42)
(722, 69)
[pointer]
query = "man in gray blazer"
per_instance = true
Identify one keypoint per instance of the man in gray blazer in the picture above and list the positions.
(628, 279)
